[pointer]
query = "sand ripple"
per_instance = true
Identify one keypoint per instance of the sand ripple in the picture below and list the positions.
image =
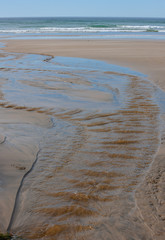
(103, 135)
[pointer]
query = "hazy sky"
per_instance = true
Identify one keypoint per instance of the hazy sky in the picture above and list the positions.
(109, 8)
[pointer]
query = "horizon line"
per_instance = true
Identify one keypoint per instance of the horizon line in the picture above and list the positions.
(78, 17)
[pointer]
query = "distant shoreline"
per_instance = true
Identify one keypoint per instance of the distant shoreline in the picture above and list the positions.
(85, 17)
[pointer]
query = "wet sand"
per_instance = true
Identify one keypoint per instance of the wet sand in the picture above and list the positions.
(18, 146)
(149, 211)
(146, 56)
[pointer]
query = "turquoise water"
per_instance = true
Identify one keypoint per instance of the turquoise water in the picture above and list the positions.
(84, 27)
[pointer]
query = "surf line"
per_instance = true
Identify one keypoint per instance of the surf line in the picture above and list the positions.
(18, 192)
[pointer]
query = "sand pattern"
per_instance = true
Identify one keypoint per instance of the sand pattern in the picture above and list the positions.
(150, 196)
(80, 137)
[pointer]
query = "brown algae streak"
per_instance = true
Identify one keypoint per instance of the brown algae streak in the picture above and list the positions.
(104, 137)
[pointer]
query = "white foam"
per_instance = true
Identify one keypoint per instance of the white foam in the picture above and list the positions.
(123, 28)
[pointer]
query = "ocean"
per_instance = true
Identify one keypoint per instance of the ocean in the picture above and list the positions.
(82, 27)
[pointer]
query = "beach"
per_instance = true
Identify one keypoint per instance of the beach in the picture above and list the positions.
(145, 56)
(116, 189)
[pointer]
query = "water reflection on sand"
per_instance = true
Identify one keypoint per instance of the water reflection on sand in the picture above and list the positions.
(104, 134)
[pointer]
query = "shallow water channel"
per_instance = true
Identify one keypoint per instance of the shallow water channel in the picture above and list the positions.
(104, 134)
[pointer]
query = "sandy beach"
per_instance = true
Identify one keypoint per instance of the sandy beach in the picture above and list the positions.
(147, 57)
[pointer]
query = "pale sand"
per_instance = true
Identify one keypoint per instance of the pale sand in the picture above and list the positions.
(144, 56)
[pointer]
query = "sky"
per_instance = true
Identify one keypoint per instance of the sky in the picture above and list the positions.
(90, 8)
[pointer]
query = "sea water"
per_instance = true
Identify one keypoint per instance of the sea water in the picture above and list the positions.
(86, 27)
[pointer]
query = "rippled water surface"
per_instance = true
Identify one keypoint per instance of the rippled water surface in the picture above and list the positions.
(104, 134)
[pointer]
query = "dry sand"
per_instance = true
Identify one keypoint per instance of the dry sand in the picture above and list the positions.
(145, 56)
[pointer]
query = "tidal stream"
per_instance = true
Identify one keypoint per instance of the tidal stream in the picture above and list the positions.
(103, 135)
